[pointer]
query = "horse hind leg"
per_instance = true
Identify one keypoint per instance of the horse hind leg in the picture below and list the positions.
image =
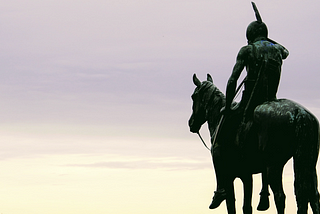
(305, 173)
(314, 199)
(306, 188)
(264, 194)
(275, 181)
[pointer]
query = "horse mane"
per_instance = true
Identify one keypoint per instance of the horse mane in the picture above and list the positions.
(213, 101)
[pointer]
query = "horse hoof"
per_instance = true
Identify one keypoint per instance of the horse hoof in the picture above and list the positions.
(263, 204)
(217, 199)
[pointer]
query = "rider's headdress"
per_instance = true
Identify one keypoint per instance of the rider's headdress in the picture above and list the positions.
(256, 28)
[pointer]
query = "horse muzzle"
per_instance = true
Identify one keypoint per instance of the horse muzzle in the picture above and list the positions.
(194, 128)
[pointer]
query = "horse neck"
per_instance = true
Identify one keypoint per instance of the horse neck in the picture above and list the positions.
(216, 101)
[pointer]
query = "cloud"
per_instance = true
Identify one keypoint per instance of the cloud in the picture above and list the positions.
(155, 163)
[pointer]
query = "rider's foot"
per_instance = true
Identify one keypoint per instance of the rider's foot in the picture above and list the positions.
(217, 199)
(264, 202)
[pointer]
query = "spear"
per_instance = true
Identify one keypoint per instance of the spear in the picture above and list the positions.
(256, 11)
(259, 19)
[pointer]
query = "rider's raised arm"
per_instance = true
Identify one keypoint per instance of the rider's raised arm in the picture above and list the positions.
(237, 69)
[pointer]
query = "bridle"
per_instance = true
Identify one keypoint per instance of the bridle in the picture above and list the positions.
(217, 129)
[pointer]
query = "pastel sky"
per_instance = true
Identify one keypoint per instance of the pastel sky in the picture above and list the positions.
(95, 99)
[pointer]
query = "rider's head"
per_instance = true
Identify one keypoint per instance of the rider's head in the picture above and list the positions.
(255, 30)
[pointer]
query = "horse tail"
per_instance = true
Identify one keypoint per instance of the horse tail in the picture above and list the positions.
(305, 160)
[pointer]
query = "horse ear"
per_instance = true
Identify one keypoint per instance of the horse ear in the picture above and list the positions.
(209, 78)
(196, 81)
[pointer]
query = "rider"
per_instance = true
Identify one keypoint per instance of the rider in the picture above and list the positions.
(262, 58)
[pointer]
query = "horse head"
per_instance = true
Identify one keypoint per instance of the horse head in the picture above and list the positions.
(200, 98)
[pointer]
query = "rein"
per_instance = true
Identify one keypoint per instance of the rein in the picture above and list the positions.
(204, 143)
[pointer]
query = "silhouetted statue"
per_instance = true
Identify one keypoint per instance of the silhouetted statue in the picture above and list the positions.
(283, 128)
(261, 133)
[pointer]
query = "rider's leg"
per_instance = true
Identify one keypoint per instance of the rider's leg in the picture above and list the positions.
(220, 193)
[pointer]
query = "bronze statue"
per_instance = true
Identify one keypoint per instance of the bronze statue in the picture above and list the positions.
(261, 133)
(283, 128)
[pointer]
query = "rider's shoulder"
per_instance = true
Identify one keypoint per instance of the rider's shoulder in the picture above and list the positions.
(246, 49)
(244, 53)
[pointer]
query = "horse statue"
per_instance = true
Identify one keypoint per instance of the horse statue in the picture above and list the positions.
(283, 129)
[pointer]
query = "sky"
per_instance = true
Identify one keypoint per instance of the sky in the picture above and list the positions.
(95, 99)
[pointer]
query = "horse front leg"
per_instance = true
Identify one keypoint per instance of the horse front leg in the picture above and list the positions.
(247, 189)
(264, 194)
(230, 199)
